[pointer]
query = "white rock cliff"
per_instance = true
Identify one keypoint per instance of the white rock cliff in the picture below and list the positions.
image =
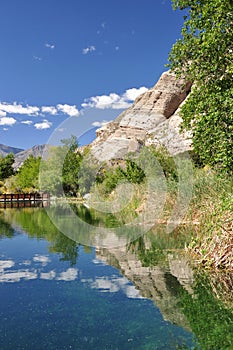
(152, 119)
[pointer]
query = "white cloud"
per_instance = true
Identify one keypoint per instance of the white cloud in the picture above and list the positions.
(2, 114)
(114, 100)
(88, 49)
(49, 109)
(5, 129)
(117, 48)
(27, 122)
(72, 111)
(45, 124)
(19, 109)
(50, 46)
(132, 94)
(16, 108)
(7, 121)
(101, 123)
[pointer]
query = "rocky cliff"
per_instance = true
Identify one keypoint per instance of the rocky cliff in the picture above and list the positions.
(152, 119)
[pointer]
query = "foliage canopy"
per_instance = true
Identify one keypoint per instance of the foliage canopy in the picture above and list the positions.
(28, 173)
(204, 55)
(6, 166)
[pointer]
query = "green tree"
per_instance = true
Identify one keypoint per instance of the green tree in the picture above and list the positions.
(204, 55)
(28, 173)
(133, 173)
(71, 166)
(60, 170)
(6, 166)
(50, 175)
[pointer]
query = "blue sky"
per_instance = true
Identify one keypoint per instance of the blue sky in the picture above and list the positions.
(80, 59)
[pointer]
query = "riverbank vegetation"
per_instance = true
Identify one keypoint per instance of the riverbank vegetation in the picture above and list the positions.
(204, 56)
(209, 216)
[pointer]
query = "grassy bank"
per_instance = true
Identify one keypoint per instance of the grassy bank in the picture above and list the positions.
(212, 207)
(209, 216)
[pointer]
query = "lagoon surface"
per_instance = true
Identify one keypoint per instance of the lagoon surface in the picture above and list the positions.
(58, 294)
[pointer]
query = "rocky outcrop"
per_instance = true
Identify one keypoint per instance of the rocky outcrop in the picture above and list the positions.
(152, 119)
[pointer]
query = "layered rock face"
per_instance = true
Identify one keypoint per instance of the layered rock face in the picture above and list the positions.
(152, 119)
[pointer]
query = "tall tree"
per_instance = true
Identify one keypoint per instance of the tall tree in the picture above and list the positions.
(71, 165)
(60, 171)
(6, 166)
(28, 173)
(204, 55)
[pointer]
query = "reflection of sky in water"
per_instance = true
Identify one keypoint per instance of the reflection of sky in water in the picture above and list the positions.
(47, 303)
(11, 271)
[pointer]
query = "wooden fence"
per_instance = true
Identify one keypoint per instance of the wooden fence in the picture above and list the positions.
(18, 200)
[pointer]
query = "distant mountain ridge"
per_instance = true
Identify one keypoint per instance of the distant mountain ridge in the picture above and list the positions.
(35, 151)
(20, 154)
(4, 150)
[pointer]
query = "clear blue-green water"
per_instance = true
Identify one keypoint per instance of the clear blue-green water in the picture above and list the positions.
(57, 294)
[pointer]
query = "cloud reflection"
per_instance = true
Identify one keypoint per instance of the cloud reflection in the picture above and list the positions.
(35, 270)
(6, 264)
(41, 259)
(69, 275)
(17, 275)
(113, 284)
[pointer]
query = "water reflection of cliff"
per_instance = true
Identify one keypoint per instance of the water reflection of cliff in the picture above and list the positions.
(184, 298)
(154, 265)
(160, 283)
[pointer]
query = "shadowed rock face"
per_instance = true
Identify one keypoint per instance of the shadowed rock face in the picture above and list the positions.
(152, 119)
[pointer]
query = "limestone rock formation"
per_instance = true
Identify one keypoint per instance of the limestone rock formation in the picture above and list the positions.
(152, 119)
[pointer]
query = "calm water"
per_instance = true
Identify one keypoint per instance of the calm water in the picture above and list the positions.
(58, 294)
